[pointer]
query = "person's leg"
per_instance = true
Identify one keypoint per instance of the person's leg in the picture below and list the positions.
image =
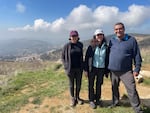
(129, 82)
(91, 79)
(99, 82)
(115, 80)
(71, 87)
(78, 77)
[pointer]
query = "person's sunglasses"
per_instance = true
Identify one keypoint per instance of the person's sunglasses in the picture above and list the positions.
(99, 34)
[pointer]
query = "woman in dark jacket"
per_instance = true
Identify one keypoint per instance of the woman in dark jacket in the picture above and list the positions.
(72, 58)
(96, 62)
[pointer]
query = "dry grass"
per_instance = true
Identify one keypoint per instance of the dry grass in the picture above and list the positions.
(60, 102)
(10, 69)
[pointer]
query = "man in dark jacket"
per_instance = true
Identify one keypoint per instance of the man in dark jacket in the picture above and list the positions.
(123, 51)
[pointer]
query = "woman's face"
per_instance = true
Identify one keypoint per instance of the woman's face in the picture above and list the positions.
(99, 37)
(74, 39)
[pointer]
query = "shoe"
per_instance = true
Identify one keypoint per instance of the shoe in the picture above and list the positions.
(99, 103)
(73, 102)
(92, 105)
(113, 105)
(140, 111)
(80, 101)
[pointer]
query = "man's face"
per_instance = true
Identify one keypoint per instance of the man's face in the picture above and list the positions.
(119, 31)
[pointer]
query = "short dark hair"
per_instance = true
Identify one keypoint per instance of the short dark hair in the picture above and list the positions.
(120, 23)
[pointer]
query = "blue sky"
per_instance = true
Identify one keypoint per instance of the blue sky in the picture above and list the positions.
(53, 19)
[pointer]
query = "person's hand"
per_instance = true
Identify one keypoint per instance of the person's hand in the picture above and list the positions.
(106, 75)
(135, 74)
(138, 77)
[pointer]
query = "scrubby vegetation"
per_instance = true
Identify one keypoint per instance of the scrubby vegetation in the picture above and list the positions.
(35, 83)
(31, 84)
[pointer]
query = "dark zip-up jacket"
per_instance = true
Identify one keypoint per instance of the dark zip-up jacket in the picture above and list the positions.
(66, 56)
(123, 53)
(88, 63)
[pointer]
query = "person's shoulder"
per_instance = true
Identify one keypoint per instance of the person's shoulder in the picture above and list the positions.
(67, 44)
(90, 47)
(132, 38)
(105, 43)
(80, 43)
(113, 38)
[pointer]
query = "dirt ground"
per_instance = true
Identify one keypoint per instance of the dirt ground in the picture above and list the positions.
(60, 103)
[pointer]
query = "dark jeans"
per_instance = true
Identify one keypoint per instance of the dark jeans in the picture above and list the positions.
(98, 74)
(75, 78)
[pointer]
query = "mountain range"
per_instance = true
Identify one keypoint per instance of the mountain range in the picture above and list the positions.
(25, 47)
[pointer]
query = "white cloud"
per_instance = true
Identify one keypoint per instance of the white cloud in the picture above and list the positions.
(87, 20)
(57, 24)
(135, 15)
(79, 18)
(80, 14)
(20, 8)
(40, 24)
(105, 14)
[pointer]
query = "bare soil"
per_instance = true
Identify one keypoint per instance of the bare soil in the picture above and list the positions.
(60, 103)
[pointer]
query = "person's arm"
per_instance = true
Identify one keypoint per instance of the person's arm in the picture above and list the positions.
(137, 59)
(107, 62)
(63, 55)
(86, 61)
(82, 62)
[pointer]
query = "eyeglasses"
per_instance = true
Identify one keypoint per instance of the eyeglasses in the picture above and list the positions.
(99, 34)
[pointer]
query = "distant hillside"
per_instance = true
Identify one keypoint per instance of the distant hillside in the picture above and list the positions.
(23, 47)
(143, 40)
(46, 51)
(145, 43)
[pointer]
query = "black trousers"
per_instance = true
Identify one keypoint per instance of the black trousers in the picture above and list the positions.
(75, 78)
(96, 74)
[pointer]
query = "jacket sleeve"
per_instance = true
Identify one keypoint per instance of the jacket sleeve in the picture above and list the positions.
(86, 61)
(82, 63)
(107, 60)
(64, 56)
(137, 57)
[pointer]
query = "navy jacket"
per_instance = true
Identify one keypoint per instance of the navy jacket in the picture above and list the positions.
(123, 53)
